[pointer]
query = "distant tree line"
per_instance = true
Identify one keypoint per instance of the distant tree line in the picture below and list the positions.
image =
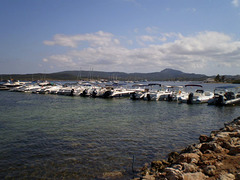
(219, 78)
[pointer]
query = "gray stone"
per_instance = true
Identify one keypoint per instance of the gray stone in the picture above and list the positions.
(194, 176)
(189, 158)
(234, 150)
(210, 170)
(173, 174)
(189, 168)
(226, 177)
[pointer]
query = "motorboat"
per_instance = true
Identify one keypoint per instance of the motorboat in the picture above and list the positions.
(122, 92)
(196, 97)
(4, 88)
(44, 83)
(225, 95)
(11, 84)
(67, 91)
(139, 90)
(103, 92)
(151, 92)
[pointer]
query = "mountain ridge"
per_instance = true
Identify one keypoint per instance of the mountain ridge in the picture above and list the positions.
(167, 74)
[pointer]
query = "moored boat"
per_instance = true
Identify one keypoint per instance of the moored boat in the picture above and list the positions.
(225, 95)
(196, 97)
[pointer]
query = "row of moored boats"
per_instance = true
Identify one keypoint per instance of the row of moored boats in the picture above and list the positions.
(225, 95)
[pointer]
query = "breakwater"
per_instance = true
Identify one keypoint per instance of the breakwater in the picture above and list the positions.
(216, 157)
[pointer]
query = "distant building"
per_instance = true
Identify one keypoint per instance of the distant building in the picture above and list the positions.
(209, 80)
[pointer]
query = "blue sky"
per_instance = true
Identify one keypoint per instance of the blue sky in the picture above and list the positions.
(120, 35)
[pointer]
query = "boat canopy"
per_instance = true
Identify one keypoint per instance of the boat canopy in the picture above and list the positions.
(139, 85)
(196, 85)
(154, 84)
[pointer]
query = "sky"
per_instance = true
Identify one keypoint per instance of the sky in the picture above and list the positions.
(193, 36)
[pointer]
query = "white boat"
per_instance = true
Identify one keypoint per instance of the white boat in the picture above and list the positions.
(44, 83)
(225, 95)
(139, 90)
(152, 92)
(11, 84)
(122, 92)
(67, 91)
(101, 92)
(53, 89)
(4, 88)
(196, 97)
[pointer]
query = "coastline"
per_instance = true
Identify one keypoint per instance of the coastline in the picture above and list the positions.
(215, 157)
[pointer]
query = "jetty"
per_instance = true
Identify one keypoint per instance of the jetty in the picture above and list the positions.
(215, 157)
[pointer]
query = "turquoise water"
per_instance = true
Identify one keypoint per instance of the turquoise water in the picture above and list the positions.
(57, 137)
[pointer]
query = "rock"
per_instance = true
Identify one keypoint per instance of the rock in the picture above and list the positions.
(222, 135)
(173, 174)
(238, 176)
(211, 146)
(210, 170)
(148, 177)
(172, 157)
(234, 134)
(157, 165)
(234, 150)
(194, 176)
(114, 174)
(144, 170)
(177, 166)
(229, 128)
(228, 176)
(204, 138)
(214, 133)
(189, 168)
(189, 158)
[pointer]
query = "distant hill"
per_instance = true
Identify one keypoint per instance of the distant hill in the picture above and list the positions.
(164, 75)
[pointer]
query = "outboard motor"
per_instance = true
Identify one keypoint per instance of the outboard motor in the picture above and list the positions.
(169, 98)
(84, 93)
(229, 95)
(94, 93)
(190, 98)
(107, 94)
(220, 100)
(133, 96)
(148, 97)
(72, 91)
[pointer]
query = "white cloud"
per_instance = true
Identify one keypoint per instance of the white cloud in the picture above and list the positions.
(99, 38)
(152, 30)
(205, 52)
(147, 38)
(235, 3)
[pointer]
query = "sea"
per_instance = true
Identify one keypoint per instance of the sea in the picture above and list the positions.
(63, 137)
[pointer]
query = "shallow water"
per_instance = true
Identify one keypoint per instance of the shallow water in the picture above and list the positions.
(50, 136)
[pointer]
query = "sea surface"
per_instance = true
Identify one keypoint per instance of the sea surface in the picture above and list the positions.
(61, 137)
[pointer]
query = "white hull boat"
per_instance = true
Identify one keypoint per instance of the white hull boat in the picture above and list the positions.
(225, 95)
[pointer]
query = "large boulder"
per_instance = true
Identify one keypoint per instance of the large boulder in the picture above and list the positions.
(234, 150)
(210, 170)
(212, 146)
(189, 168)
(226, 176)
(204, 138)
(173, 174)
(194, 176)
(189, 158)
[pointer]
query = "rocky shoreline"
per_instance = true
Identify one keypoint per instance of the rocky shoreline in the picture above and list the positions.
(216, 157)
